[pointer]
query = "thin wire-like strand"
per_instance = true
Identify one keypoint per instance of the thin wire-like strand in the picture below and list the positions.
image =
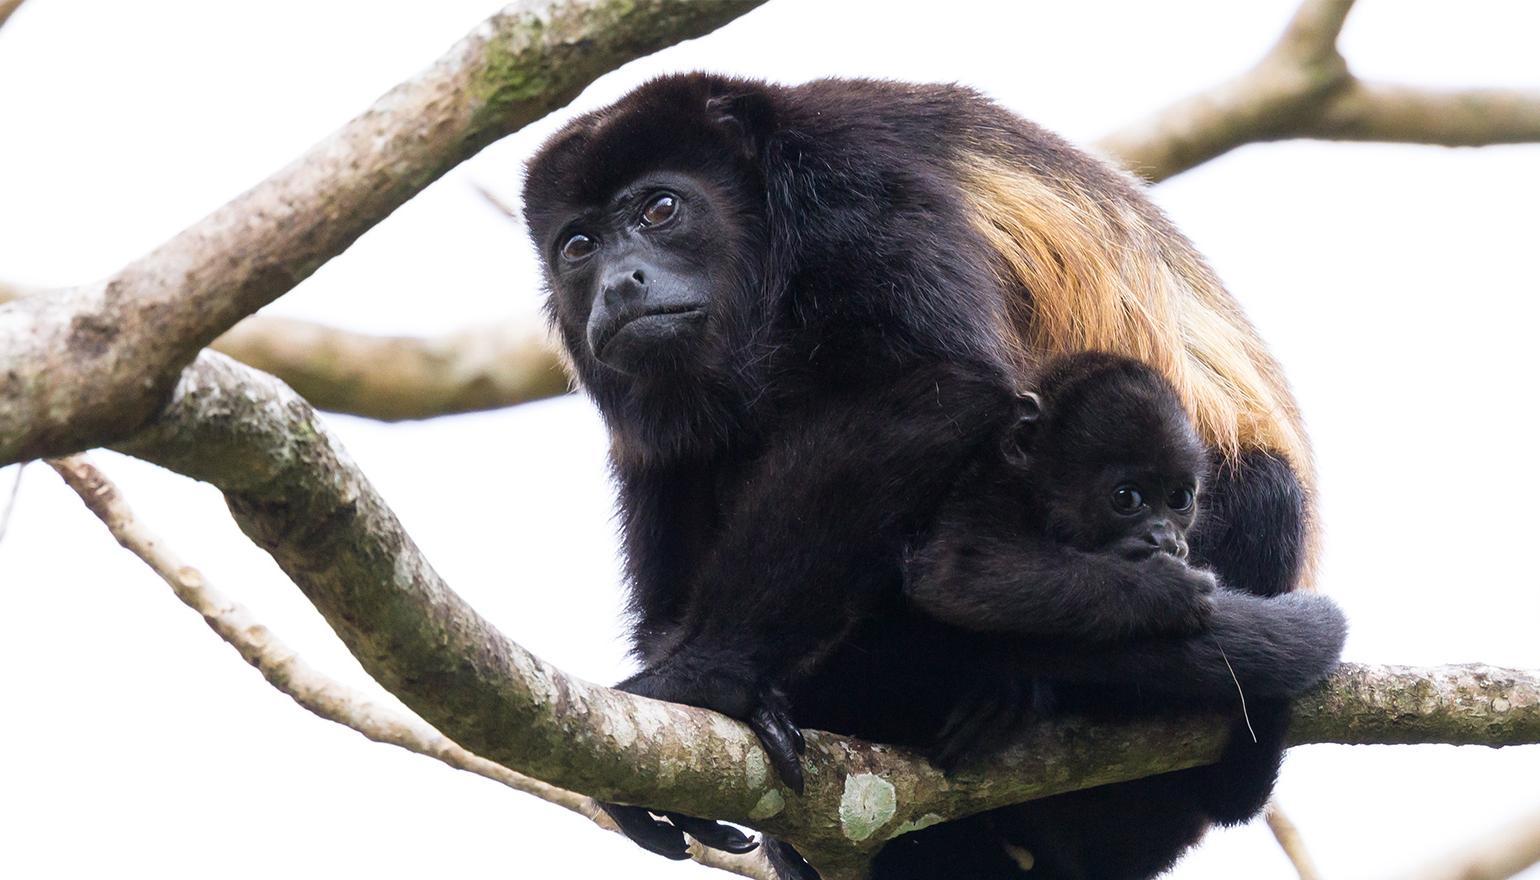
(1244, 714)
(10, 504)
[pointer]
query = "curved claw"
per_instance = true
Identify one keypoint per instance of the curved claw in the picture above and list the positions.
(714, 834)
(648, 833)
(782, 741)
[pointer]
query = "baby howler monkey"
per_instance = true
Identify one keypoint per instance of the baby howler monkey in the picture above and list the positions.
(1074, 523)
(1068, 537)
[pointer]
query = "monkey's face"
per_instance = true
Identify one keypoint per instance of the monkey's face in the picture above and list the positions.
(1116, 458)
(649, 216)
(1150, 509)
(641, 278)
(1138, 510)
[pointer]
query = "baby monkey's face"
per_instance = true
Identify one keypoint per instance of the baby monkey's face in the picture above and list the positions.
(1114, 504)
(1146, 508)
(1112, 473)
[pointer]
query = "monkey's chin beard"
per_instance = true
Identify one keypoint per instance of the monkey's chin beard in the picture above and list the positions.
(653, 343)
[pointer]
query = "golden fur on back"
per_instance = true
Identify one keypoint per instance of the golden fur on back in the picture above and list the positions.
(1103, 273)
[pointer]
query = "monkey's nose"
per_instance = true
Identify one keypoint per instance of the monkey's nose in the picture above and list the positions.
(1169, 542)
(620, 287)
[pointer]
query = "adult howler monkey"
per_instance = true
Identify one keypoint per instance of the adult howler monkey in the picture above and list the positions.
(800, 310)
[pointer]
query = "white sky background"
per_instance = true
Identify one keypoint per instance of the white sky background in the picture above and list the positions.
(1397, 284)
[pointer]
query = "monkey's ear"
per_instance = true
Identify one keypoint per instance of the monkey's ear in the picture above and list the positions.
(747, 117)
(1018, 441)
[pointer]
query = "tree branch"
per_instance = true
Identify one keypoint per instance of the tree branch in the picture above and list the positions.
(7, 7)
(1366, 111)
(88, 366)
(285, 670)
(392, 377)
(402, 377)
(1302, 88)
(294, 491)
(1498, 855)
(1291, 842)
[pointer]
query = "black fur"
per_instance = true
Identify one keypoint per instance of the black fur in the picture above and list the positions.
(810, 356)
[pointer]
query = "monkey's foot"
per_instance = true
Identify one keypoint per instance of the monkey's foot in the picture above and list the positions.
(781, 739)
(765, 710)
(787, 862)
(665, 836)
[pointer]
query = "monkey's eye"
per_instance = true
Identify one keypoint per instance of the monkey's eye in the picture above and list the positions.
(660, 210)
(1127, 499)
(577, 246)
(1180, 500)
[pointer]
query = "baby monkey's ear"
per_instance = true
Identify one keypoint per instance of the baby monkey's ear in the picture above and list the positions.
(1018, 441)
(1029, 407)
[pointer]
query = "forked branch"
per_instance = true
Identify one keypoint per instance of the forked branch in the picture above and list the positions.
(1302, 88)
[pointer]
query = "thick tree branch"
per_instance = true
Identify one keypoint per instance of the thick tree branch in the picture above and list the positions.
(296, 494)
(1302, 88)
(88, 366)
(392, 377)
(285, 670)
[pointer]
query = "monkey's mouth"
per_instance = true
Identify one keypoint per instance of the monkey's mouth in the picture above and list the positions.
(632, 341)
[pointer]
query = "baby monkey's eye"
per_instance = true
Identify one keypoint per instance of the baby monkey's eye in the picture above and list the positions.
(577, 246)
(1127, 499)
(1180, 500)
(660, 210)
